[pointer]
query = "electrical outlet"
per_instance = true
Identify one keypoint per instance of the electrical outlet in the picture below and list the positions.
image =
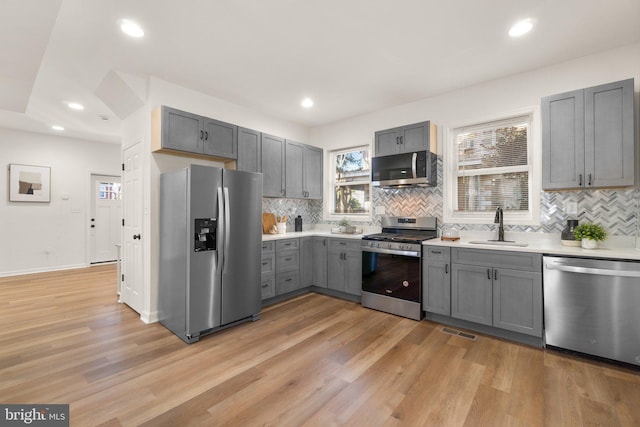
(571, 208)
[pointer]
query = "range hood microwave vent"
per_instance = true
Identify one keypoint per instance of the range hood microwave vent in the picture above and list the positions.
(406, 170)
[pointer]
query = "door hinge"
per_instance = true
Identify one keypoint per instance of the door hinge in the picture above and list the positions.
(123, 166)
(122, 278)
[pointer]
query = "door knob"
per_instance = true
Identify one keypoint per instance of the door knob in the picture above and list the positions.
(136, 236)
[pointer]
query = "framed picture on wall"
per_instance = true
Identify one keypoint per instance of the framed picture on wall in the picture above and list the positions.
(29, 183)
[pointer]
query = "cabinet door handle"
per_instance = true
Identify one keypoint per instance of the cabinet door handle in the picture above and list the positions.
(589, 183)
(343, 244)
(489, 273)
(401, 141)
(436, 252)
(580, 180)
(324, 242)
(289, 279)
(201, 135)
(265, 286)
(397, 140)
(495, 274)
(446, 269)
(287, 259)
(206, 136)
(265, 263)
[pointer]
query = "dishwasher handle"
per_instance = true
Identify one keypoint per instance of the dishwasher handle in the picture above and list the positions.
(588, 270)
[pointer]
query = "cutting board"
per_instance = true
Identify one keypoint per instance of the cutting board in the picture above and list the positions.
(268, 221)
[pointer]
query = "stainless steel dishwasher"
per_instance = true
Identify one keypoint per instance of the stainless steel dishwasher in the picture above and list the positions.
(593, 306)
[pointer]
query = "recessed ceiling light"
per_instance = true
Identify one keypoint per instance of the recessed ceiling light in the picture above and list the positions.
(307, 103)
(75, 106)
(521, 28)
(57, 127)
(131, 28)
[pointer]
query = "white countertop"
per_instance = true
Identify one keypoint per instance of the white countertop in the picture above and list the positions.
(546, 243)
(319, 230)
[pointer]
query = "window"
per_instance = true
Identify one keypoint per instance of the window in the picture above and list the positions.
(109, 191)
(351, 183)
(490, 165)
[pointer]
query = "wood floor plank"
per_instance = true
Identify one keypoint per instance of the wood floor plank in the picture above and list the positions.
(313, 360)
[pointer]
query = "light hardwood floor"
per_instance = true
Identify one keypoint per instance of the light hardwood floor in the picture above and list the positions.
(313, 360)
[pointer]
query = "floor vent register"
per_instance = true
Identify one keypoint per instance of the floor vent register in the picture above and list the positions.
(458, 333)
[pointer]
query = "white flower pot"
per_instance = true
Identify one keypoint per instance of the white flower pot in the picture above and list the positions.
(589, 243)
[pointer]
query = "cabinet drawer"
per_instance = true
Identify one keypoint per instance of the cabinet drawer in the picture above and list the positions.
(436, 253)
(287, 282)
(268, 264)
(268, 247)
(287, 261)
(268, 287)
(504, 259)
(345, 244)
(286, 244)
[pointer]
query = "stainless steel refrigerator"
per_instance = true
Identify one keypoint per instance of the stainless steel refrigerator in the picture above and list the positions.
(210, 243)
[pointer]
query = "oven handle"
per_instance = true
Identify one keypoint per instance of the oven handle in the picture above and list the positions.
(412, 254)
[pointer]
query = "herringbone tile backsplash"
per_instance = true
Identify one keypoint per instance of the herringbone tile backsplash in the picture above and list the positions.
(616, 210)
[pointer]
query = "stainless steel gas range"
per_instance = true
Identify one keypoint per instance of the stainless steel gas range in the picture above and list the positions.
(391, 265)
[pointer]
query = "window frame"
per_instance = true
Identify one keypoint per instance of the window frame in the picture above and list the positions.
(329, 196)
(534, 161)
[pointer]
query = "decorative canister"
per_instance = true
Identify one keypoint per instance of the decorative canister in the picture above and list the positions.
(566, 237)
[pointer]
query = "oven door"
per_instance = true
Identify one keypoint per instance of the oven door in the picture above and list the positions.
(392, 275)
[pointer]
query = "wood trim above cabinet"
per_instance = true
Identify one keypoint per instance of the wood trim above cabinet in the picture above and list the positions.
(156, 143)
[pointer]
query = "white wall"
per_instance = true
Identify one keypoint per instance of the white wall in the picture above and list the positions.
(486, 100)
(50, 236)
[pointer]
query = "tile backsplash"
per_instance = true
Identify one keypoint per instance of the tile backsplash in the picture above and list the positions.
(615, 209)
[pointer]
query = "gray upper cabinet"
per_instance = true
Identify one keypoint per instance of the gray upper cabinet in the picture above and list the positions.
(414, 137)
(294, 154)
(312, 169)
(273, 166)
(188, 134)
(588, 137)
(249, 150)
(291, 169)
(220, 139)
(181, 131)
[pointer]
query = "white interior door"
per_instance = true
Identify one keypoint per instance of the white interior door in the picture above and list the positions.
(106, 214)
(132, 290)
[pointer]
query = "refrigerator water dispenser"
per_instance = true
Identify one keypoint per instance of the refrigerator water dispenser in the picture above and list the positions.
(205, 234)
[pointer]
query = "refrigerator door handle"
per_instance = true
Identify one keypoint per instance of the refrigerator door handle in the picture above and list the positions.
(227, 228)
(221, 208)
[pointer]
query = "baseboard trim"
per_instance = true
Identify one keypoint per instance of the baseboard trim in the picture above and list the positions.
(42, 270)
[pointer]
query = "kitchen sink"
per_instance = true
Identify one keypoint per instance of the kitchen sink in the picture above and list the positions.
(499, 243)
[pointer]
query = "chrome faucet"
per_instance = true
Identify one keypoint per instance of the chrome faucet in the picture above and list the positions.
(500, 220)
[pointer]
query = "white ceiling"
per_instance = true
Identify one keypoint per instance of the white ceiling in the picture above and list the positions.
(350, 56)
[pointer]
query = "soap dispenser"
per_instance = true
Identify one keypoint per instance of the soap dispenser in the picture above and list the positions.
(298, 222)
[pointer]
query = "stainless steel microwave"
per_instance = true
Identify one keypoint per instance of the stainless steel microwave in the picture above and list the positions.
(414, 169)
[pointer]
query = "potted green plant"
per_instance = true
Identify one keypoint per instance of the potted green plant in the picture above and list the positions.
(589, 234)
(345, 226)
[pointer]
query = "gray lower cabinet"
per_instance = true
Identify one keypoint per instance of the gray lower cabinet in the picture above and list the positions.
(306, 261)
(191, 134)
(497, 288)
(268, 277)
(320, 262)
(249, 150)
(344, 261)
(287, 265)
(588, 137)
(436, 280)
